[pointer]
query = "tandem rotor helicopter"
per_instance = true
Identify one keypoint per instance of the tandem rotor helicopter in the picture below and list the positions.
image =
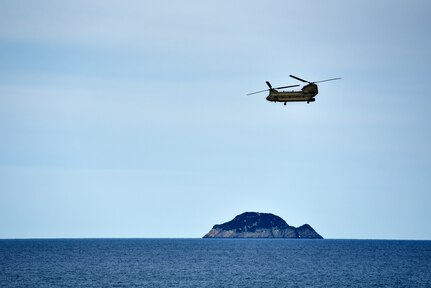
(307, 93)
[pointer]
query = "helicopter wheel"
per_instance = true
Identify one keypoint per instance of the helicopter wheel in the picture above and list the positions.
(284, 103)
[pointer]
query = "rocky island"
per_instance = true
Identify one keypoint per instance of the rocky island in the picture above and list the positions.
(261, 225)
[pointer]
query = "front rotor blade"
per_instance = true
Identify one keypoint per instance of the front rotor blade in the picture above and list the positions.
(297, 78)
(269, 84)
(287, 86)
(327, 80)
(257, 92)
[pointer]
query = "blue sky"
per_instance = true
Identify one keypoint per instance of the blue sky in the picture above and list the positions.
(129, 118)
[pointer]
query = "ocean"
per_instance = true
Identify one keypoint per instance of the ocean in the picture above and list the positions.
(214, 263)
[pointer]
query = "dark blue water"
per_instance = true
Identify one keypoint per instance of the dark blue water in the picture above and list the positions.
(214, 263)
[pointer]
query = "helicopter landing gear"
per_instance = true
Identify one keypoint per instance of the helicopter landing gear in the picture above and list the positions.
(284, 103)
(308, 102)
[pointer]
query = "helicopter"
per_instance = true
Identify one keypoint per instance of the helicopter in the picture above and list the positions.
(307, 93)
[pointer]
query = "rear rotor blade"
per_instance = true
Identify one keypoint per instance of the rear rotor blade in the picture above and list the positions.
(257, 92)
(327, 80)
(287, 86)
(297, 78)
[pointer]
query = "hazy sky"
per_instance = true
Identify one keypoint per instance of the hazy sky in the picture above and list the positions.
(129, 118)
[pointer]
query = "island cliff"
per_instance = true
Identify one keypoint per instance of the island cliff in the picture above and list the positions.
(260, 225)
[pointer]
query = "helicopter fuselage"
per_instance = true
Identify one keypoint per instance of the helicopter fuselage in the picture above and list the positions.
(307, 94)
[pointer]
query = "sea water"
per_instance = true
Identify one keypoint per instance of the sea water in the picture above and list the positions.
(214, 263)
